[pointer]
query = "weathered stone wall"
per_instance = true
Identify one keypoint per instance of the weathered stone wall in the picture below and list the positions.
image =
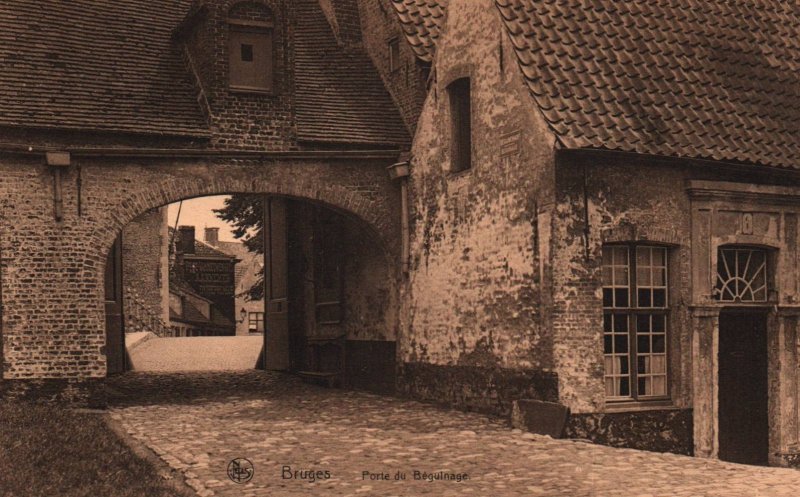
(145, 266)
(477, 274)
(370, 287)
(621, 202)
(666, 430)
(52, 272)
(408, 83)
(489, 390)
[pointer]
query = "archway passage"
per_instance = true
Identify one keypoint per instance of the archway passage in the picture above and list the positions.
(329, 296)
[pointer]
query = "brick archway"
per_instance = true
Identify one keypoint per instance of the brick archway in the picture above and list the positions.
(60, 266)
(348, 202)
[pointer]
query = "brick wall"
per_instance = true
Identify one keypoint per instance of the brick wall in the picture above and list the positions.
(53, 320)
(145, 265)
(407, 84)
(239, 119)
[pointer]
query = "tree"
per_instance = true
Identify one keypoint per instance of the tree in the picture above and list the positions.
(246, 214)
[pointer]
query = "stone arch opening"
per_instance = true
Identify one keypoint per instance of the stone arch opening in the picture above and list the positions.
(357, 337)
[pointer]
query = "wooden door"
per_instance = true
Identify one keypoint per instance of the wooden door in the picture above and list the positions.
(276, 285)
(743, 415)
(115, 322)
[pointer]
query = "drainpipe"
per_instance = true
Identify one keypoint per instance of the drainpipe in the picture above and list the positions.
(400, 171)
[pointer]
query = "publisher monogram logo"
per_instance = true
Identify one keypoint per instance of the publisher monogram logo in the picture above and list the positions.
(240, 470)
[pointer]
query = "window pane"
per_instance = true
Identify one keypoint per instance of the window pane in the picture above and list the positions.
(659, 298)
(623, 365)
(658, 323)
(620, 256)
(659, 277)
(643, 323)
(610, 392)
(659, 385)
(643, 276)
(608, 277)
(621, 297)
(624, 387)
(607, 344)
(620, 323)
(658, 364)
(620, 343)
(642, 256)
(660, 257)
(620, 276)
(608, 297)
(644, 386)
(659, 343)
(644, 298)
(643, 344)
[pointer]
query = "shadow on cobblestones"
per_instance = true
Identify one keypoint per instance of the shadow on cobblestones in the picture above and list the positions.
(198, 422)
(311, 403)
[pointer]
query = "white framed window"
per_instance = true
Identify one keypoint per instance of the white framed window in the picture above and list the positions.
(635, 315)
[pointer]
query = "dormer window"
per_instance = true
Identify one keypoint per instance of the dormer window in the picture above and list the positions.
(251, 51)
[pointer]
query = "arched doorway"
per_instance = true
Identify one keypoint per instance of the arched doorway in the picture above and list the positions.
(329, 291)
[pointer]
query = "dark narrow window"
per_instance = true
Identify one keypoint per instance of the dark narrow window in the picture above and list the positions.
(460, 112)
(394, 54)
(635, 321)
(247, 53)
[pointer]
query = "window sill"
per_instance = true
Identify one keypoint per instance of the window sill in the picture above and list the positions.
(636, 406)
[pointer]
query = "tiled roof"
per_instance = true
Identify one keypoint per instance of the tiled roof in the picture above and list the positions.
(421, 21)
(201, 248)
(95, 64)
(339, 94)
(716, 79)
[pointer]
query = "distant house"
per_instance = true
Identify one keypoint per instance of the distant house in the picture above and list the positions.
(202, 287)
(250, 318)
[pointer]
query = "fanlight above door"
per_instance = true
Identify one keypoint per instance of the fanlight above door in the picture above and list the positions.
(741, 275)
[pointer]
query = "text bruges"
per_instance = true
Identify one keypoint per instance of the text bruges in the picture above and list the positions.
(309, 475)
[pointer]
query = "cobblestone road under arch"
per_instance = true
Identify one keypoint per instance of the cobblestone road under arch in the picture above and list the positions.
(198, 422)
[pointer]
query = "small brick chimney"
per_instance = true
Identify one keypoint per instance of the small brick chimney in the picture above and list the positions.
(186, 239)
(212, 236)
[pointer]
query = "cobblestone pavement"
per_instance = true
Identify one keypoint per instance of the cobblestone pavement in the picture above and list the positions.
(197, 353)
(197, 423)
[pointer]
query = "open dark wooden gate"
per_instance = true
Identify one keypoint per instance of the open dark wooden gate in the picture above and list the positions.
(276, 285)
(115, 322)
